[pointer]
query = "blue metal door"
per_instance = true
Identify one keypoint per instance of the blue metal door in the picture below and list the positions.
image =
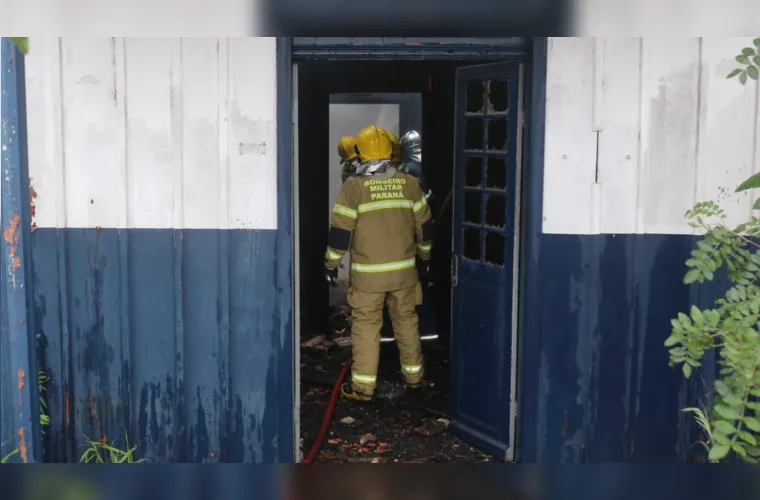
(484, 263)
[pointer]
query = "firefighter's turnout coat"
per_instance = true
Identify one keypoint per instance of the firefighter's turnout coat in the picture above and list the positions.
(384, 220)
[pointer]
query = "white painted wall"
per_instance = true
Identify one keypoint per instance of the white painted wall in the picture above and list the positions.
(671, 131)
(180, 133)
(153, 132)
(349, 119)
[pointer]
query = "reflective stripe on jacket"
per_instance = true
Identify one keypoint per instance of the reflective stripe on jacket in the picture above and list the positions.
(384, 220)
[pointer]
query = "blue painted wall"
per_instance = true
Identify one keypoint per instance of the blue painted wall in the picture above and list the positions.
(169, 336)
(596, 384)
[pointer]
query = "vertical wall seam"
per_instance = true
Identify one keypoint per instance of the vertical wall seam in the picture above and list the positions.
(61, 194)
(698, 131)
(176, 96)
(639, 226)
(67, 384)
(597, 126)
(126, 347)
(223, 69)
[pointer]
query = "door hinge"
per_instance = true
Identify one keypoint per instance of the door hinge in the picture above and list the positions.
(454, 270)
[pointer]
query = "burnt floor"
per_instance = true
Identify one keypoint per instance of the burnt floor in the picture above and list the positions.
(394, 427)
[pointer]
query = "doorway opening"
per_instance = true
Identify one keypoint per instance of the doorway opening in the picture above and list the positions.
(467, 158)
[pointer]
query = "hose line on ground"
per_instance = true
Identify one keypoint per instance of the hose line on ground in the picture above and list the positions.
(317, 444)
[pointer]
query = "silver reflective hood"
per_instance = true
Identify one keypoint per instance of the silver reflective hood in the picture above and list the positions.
(411, 146)
(373, 167)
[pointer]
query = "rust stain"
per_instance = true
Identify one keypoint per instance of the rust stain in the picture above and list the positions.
(412, 44)
(12, 236)
(32, 207)
(91, 410)
(97, 241)
(103, 439)
(211, 453)
(20, 375)
(66, 415)
(22, 445)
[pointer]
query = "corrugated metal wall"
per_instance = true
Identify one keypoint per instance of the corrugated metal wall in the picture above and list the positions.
(153, 167)
(636, 131)
(19, 418)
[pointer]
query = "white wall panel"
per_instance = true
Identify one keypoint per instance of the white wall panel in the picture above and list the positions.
(153, 132)
(674, 131)
(619, 137)
(570, 148)
(670, 77)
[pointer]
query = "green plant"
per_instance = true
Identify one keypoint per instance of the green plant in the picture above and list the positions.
(750, 59)
(100, 452)
(732, 327)
(42, 381)
(5, 458)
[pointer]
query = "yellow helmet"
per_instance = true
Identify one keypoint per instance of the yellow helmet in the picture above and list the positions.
(395, 148)
(373, 144)
(347, 149)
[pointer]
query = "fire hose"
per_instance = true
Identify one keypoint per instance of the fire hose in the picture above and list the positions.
(315, 447)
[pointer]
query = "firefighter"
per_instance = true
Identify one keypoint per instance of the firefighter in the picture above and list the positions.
(349, 157)
(396, 156)
(411, 148)
(383, 219)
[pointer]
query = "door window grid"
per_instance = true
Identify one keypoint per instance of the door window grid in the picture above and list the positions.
(486, 132)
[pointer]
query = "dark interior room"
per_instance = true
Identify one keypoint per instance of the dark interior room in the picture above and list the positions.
(412, 433)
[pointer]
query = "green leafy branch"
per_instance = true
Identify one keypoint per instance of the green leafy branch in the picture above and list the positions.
(750, 60)
(731, 328)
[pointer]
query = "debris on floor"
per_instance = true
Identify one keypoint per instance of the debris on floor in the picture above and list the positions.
(314, 341)
(393, 428)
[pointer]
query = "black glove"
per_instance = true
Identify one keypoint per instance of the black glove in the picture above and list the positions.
(424, 270)
(331, 275)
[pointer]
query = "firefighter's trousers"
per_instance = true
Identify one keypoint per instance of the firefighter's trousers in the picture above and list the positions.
(367, 312)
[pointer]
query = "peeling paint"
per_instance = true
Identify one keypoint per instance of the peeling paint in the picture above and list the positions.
(20, 377)
(22, 446)
(66, 406)
(32, 207)
(12, 237)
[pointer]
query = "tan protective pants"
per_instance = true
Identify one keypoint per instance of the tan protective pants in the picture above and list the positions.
(367, 312)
